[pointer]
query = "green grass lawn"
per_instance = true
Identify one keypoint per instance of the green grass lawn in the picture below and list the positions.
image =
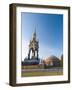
(39, 73)
(27, 74)
(40, 66)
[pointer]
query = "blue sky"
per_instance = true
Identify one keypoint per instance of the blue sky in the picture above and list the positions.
(49, 29)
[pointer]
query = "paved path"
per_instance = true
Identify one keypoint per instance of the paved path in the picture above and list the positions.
(43, 70)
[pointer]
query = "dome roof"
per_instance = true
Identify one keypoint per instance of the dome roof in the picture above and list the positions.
(52, 58)
(52, 61)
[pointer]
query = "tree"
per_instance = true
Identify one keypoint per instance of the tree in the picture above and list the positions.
(61, 62)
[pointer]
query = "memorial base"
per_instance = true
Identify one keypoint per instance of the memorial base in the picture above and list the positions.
(31, 62)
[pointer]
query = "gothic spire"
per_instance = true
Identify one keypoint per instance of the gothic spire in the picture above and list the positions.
(34, 34)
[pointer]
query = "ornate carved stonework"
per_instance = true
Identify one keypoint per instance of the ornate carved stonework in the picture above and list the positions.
(32, 59)
(33, 47)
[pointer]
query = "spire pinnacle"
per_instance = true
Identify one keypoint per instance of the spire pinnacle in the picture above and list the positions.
(35, 31)
(34, 34)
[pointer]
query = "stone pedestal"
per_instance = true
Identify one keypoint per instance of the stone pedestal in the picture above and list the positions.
(31, 62)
